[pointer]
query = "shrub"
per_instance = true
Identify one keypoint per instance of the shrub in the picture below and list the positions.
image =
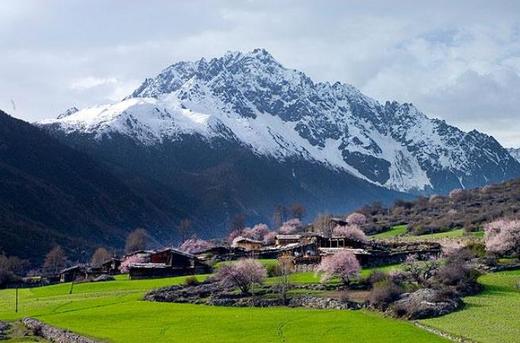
(343, 264)
(455, 274)
(191, 281)
(377, 276)
(384, 293)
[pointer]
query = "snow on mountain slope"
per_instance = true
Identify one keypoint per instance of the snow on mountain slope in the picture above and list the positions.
(279, 112)
(515, 153)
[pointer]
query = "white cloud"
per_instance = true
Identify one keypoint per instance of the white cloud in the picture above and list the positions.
(456, 60)
(91, 82)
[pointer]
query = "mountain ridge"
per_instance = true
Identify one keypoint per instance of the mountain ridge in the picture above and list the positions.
(51, 194)
(251, 99)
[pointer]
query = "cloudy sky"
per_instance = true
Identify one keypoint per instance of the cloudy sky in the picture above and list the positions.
(456, 60)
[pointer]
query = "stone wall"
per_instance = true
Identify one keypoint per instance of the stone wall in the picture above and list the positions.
(54, 334)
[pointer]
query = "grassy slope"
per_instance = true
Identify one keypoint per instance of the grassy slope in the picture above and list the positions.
(114, 311)
(397, 230)
(400, 232)
(492, 316)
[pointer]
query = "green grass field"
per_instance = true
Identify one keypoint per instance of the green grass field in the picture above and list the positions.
(492, 316)
(113, 311)
(398, 230)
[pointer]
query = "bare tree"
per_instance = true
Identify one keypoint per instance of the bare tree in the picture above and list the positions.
(279, 216)
(323, 224)
(100, 256)
(136, 240)
(285, 265)
(297, 211)
(55, 260)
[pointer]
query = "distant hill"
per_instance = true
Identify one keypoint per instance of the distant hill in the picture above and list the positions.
(468, 209)
(52, 194)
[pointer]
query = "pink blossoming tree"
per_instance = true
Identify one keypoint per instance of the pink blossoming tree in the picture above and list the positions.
(502, 237)
(270, 238)
(194, 245)
(291, 226)
(242, 274)
(234, 234)
(344, 265)
(356, 218)
(350, 231)
(257, 232)
(132, 259)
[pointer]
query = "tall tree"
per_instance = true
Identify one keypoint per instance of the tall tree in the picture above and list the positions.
(279, 216)
(55, 260)
(136, 240)
(238, 222)
(184, 229)
(297, 210)
(323, 224)
(100, 256)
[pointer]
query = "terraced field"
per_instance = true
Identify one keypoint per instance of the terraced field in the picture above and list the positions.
(113, 311)
(492, 316)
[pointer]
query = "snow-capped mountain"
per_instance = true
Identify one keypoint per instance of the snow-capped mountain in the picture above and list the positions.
(252, 100)
(515, 152)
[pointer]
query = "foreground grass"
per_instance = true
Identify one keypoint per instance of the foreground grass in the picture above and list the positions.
(113, 311)
(492, 316)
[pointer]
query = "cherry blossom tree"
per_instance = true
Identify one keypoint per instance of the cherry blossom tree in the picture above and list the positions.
(350, 231)
(344, 265)
(257, 232)
(291, 226)
(234, 234)
(242, 274)
(269, 238)
(356, 218)
(502, 237)
(132, 259)
(195, 244)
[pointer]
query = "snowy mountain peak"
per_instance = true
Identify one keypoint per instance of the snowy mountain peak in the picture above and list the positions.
(252, 99)
(68, 112)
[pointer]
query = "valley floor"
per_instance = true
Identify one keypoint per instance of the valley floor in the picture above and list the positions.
(113, 311)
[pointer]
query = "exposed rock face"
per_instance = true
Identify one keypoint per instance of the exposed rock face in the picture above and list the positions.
(54, 334)
(425, 303)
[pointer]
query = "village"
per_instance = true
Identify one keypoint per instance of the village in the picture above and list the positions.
(306, 247)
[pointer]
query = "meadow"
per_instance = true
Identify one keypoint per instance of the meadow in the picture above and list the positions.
(491, 316)
(400, 232)
(113, 311)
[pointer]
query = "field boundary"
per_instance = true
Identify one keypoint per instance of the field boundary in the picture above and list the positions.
(443, 334)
